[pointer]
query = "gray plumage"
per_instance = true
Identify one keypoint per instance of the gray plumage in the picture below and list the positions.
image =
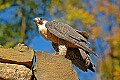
(67, 42)
(67, 33)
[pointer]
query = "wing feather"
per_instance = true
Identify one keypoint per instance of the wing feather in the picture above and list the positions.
(67, 33)
(66, 30)
(83, 33)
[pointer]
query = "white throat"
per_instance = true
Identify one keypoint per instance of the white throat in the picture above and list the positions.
(41, 27)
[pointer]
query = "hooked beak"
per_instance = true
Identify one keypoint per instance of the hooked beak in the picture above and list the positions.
(37, 21)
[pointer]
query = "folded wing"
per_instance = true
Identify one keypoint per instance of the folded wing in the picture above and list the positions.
(67, 33)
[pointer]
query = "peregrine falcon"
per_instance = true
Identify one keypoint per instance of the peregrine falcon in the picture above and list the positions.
(67, 41)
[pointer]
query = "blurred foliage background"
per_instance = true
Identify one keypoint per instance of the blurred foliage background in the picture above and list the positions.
(100, 18)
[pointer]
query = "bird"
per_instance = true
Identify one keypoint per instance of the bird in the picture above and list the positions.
(67, 42)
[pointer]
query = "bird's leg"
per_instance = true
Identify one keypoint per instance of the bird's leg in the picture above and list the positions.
(59, 48)
(55, 46)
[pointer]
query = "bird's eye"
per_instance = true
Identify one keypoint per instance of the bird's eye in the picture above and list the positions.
(40, 18)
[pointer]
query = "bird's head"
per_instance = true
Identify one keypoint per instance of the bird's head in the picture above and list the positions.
(40, 21)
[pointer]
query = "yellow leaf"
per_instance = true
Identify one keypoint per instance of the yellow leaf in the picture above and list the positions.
(117, 74)
(95, 31)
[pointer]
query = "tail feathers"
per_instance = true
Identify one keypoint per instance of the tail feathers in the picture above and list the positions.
(80, 64)
(91, 67)
(80, 58)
